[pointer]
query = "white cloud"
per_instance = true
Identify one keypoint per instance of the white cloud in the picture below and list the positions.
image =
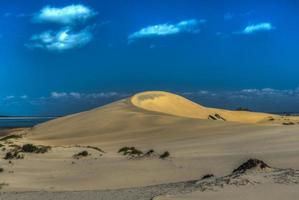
(68, 15)
(57, 95)
(9, 97)
(187, 26)
(64, 39)
(78, 95)
(258, 28)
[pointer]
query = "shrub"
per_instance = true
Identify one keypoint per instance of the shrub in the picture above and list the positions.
(149, 152)
(1, 169)
(164, 155)
(13, 155)
(131, 151)
(81, 154)
(10, 137)
(288, 123)
(30, 148)
(207, 176)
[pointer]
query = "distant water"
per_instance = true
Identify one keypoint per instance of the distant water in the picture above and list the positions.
(14, 122)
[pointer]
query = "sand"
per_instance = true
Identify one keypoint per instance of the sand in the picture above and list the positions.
(197, 146)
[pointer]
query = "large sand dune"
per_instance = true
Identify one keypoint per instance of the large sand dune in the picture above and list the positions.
(145, 113)
(198, 144)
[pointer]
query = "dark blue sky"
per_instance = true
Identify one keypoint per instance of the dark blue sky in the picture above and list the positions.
(63, 56)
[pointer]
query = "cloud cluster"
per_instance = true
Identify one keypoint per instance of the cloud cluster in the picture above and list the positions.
(78, 95)
(187, 26)
(66, 15)
(61, 40)
(266, 26)
(67, 37)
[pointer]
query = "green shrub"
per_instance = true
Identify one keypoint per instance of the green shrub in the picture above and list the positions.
(30, 148)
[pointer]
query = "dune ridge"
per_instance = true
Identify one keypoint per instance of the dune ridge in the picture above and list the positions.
(169, 103)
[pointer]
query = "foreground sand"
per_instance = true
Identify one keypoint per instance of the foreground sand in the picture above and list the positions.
(197, 147)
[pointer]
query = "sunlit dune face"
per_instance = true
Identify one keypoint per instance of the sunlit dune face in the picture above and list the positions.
(172, 104)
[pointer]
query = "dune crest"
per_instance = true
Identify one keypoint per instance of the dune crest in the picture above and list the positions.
(172, 104)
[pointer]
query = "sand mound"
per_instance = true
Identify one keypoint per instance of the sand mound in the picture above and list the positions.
(172, 104)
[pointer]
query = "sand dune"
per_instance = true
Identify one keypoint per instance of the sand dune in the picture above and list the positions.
(152, 120)
(145, 112)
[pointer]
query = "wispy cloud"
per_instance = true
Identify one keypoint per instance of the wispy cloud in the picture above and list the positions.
(9, 97)
(265, 26)
(62, 40)
(78, 95)
(187, 26)
(67, 15)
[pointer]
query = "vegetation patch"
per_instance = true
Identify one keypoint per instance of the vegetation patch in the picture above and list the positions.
(250, 164)
(1, 170)
(5, 138)
(30, 148)
(164, 155)
(13, 155)
(288, 123)
(81, 154)
(207, 176)
(149, 153)
(130, 151)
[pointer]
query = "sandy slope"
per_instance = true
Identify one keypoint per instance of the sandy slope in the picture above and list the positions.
(147, 112)
(148, 121)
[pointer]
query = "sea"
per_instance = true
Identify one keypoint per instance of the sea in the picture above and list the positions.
(17, 122)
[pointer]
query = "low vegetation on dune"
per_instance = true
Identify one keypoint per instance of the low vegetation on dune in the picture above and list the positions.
(164, 155)
(251, 164)
(288, 123)
(17, 152)
(13, 155)
(207, 176)
(30, 148)
(81, 154)
(132, 152)
(8, 137)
